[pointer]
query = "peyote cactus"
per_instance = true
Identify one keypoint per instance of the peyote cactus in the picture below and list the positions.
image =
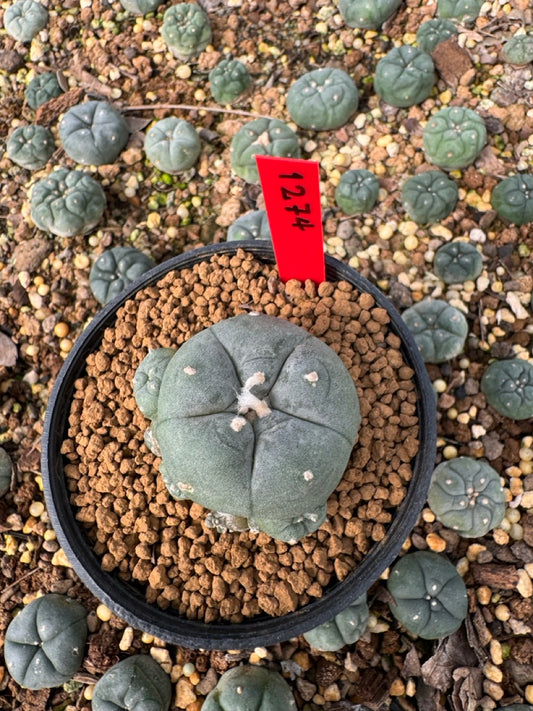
(467, 496)
(459, 9)
(140, 7)
(250, 687)
(323, 99)
(457, 262)
(114, 269)
(432, 32)
(405, 76)
(30, 146)
(186, 30)
(41, 89)
(429, 197)
(6, 471)
(253, 225)
(24, 19)
(367, 14)
(518, 49)
(44, 643)
(512, 198)
(67, 203)
(429, 595)
(93, 133)
(453, 137)
(137, 683)
(227, 410)
(357, 191)
(508, 387)
(229, 79)
(262, 136)
(172, 145)
(440, 330)
(345, 628)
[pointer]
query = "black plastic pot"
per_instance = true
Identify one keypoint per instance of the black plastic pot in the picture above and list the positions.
(127, 599)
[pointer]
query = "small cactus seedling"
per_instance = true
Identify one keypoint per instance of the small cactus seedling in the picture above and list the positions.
(467, 496)
(440, 330)
(457, 262)
(41, 89)
(429, 197)
(518, 49)
(114, 269)
(229, 80)
(44, 643)
(30, 146)
(345, 628)
(67, 203)
(93, 133)
(429, 595)
(24, 19)
(459, 9)
(227, 408)
(405, 76)
(432, 32)
(453, 137)
(186, 30)
(508, 387)
(137, 682)
(323, 99)
(263, 136)
(357, 191)
(512, 199)
(367, 14)
(140, 7)
(250, 687)
(6, 471)
(253, 225)
(172, 145)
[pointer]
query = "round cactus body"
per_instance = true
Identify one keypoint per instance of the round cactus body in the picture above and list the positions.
(24, 19)
(255, 418)
(467, 496)
(508, 387)
(432, 32)
(229, 79)
(41, 89)
(253, 225)
(114, 269)
(44, 643)
(459, 9)
(323, 99)
(137, 682)
(457, 262)
(518, 49)
(357, 191)
(30, 146)
(453, 137)
(429, 197)
(512, 199)
(345, 628)
(440, 330)
(367, 14)
(67, 203)
(405, 76)
(93, 133)
(270, 137)
(186, 30)
(140, 7)
(250, 687)
(172, 145)
(6, 471)
(429, 595)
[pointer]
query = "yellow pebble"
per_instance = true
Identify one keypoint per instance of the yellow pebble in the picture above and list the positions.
(194, 678)
(411, 243)
(397, 688)
(103, 613)
(449, 452)
(196, 201)
(60, 558)
(147, 638)
(502, 613)
(439, 385)
(81, 261)
(153, 220)
(25, 558)
(500, 537)
(61, 329)
(483, 595)
(43, 289)
(435, 542)
(183, 71)
(302, 659)
(36, 508)
(529, 693)
(49, 535)
(66, 344)
(254, 658)
(88, 692)
(446, 96)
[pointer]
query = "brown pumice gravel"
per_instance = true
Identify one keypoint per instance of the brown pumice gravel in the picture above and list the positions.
(144, 535)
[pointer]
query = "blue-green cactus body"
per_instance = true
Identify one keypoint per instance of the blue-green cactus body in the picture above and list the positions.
(270, 137)
(41, 89)
(253, 225)
(24, 19)
(345, 628)
(429, 197)
(467, 496)
(93, 133)
(172, 145)
(140, 7)
(453, 137)
(518, 49)
(440, 330)
(137, 683)
(186, 30)
(357, 191)
(508, 387)
(512, 198)
(405, 76)
(457, 262)
(6, 471)
(459, 9)
(433, 32)
(367, 14)
(44, 643)
(323, 99)
(115, 269)
(67, 203)
(245, 688)
(30, 146)
(229, 80)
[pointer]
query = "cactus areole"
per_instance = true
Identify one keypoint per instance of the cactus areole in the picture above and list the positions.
(255, 419)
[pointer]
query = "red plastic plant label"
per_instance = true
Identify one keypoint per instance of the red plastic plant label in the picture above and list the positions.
(292, 198)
